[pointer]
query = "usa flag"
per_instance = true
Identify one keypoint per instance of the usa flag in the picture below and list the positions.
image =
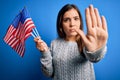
(19, 30)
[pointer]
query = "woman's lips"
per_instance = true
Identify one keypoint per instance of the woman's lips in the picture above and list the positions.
(72, 30)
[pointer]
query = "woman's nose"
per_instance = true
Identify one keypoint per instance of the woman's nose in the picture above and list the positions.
(72, 23)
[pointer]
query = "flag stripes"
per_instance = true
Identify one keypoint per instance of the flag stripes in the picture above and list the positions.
(16, 35)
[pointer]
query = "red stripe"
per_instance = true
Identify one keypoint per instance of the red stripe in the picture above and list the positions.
(10, 31)
(27, 35)
(14, 42)
(29, 25)
(20, 49)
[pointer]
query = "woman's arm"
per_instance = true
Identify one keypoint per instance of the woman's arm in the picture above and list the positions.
(46, 58)
(46, 61)
(96, 55)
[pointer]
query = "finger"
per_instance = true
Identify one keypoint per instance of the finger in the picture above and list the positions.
(40, 41)
(104, 23)
(82, 35)
(42, 50)
(43, 44)
(88, 19)
(98, 17)
(43, 47)
(36, 39)
(93, 16)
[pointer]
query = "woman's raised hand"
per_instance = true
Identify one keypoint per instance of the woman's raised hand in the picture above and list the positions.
(97, 33)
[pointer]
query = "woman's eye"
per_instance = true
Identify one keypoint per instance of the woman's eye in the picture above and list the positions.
(66, 19)
(76, 18)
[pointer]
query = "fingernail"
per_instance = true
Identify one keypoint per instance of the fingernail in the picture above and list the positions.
(91, 6)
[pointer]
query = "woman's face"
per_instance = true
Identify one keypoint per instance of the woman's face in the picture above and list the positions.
(71, 21)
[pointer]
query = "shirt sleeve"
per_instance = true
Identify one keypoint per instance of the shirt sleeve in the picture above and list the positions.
(46, 61)
(96, 55)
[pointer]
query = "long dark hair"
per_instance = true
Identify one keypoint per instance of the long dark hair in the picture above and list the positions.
(59, 25)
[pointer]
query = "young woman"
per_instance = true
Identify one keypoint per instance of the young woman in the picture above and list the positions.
(71, 56)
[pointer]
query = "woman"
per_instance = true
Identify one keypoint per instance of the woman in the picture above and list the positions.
(71, 56)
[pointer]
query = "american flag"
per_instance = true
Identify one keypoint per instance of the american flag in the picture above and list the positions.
(19, 30)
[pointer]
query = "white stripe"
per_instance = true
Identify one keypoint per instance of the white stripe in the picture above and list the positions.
(18, 29)
(9, 34)
(8, 31)
(18, 48)
(9, 39)
(15, 42)
(27, 35)
(13, 39)
(22, 50)
(29, 27)
(28, 22)
(28, 19)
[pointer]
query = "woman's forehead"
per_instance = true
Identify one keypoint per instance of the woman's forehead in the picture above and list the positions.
(71, 13)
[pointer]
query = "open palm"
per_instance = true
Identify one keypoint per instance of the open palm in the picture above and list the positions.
(97, 34)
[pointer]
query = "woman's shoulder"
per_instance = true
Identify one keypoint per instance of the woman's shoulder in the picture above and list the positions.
(62, 41)
(56, 43)
(57, 40)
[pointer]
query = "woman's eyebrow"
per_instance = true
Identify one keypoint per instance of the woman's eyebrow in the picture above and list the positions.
(76, 16)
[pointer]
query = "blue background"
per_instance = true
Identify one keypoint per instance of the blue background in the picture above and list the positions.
(44, 14)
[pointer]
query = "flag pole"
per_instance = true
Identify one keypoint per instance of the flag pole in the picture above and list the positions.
(33, 35)
(37, 31)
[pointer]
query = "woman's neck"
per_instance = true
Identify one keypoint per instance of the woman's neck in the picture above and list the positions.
(70, 39)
